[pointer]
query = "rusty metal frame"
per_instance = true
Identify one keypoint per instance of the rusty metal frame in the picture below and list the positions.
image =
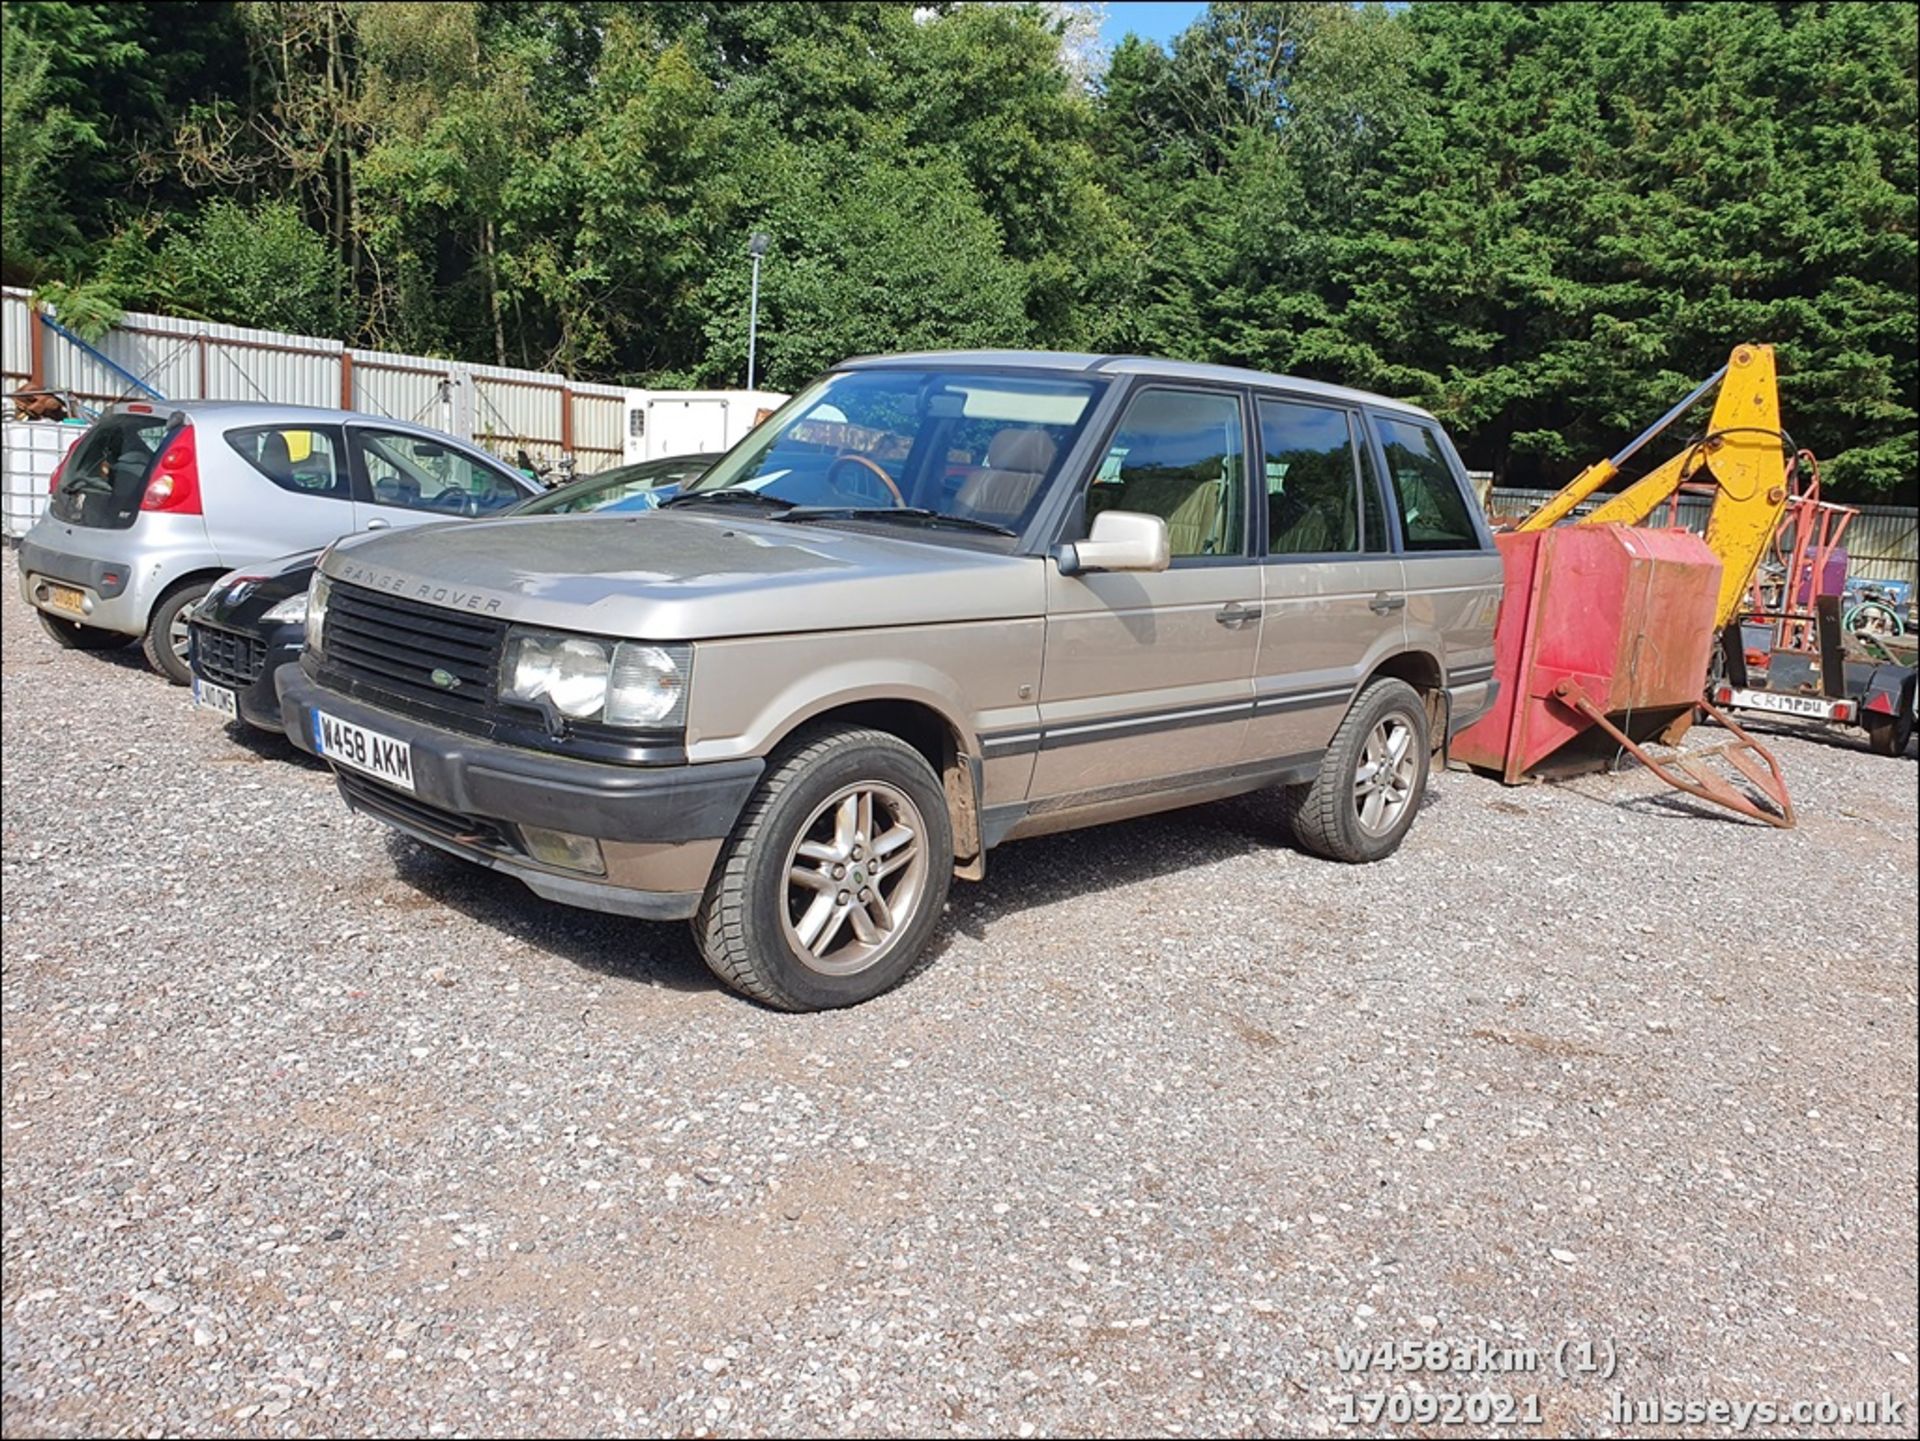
(1687, 772)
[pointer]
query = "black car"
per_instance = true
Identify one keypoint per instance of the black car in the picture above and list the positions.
(255, 621)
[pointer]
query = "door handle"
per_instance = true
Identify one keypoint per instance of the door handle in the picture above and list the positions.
(1382, 603)
(1236, 614)
(378, 524)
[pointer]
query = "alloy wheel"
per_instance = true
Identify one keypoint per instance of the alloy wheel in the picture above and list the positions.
(856, 874)
(1383, 782)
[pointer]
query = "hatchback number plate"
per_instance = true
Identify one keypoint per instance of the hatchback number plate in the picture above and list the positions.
(1785, 703)
(66, 599)
(357, 748)
(216, 698)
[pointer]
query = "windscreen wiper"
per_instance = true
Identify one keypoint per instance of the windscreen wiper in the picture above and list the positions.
(912, 514)
(729, 495)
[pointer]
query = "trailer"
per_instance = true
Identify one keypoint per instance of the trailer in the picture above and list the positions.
(1790, 650)
(662, 423)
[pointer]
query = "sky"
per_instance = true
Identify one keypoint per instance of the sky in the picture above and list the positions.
(1149, 21)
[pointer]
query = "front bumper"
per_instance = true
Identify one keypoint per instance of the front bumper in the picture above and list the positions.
(258, 701)
(660, 827)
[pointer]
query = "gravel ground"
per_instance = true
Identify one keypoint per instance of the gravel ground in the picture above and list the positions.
(309, 1130)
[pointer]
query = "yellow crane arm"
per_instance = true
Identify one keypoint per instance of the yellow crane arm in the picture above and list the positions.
(1744, 452)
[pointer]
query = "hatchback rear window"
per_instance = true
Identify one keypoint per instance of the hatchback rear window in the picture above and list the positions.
(102, 481)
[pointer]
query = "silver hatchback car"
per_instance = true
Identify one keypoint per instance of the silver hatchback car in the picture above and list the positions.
(156, 502)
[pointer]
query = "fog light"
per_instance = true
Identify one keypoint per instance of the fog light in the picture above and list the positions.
(564, 849)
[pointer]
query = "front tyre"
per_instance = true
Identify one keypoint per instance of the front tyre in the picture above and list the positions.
(165, 642)
(835, 875)
(1372, 777)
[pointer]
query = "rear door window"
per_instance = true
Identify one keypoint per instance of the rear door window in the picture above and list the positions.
(415, 472)
(1312, 482)
(103, 480)
(1434, 513)
(300, 459)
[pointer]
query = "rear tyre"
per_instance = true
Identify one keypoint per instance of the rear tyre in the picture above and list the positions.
(835, 875)
(1888, 735)
(1371, 779)
(165, 642)
(72, 635)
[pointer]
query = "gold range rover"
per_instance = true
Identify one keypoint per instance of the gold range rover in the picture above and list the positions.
(936, 603)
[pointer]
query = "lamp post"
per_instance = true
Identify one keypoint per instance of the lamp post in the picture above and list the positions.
(756, 247)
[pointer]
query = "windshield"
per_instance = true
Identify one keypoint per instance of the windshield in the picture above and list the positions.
(978, 448)
(626, 487)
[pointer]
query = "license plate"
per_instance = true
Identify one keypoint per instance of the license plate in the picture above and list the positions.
(66, 598)
(357, 748)
(215, 698)
(1783, 703)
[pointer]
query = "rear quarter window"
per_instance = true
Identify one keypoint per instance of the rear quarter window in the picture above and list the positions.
(1435, 513)
(300, 459)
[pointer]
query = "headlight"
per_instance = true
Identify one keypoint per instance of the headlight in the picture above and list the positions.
(622, 683)
(290, 611)
(318, 589)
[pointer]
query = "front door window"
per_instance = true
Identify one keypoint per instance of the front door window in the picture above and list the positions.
(416, 472)
(1180, 455)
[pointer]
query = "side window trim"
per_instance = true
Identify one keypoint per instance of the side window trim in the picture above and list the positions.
(1383, 491)
(1374, 487)
(1251, 542)
(1356, 436)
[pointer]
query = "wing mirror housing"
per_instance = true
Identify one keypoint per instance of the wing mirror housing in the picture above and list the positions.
(1121, 540)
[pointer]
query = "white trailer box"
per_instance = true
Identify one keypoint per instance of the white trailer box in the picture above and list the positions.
(661, 423)
(32, 448)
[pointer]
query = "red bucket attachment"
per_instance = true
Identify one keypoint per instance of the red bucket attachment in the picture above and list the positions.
(1603, 641)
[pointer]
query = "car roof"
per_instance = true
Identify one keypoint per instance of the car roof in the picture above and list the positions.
(257, 412)
(1085, 363)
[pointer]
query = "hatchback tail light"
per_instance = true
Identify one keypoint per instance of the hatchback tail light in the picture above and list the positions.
(175, 487)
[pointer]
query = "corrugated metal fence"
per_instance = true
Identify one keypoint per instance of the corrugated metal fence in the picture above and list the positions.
(1880, 542)
(506, 410)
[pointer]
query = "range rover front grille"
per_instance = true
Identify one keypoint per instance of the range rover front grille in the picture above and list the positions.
(386, 650)
(228, 657)
(398, 646)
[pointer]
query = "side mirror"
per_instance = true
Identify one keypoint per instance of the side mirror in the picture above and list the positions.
(1121, 540)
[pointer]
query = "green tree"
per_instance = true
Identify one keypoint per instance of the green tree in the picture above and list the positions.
(265, 266)
(33, 136)
(874, 252)
(109, 81)
(1594, 203)
(1545, 221)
